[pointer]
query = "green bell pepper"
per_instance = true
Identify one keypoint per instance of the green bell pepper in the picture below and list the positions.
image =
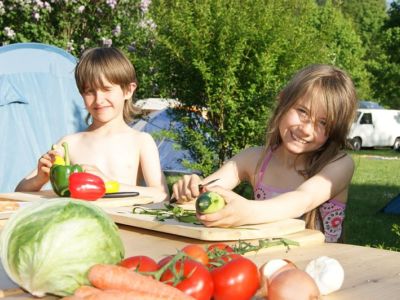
(59, 174)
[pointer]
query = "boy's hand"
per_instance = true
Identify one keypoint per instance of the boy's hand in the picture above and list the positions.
(187, 188)
(44, 164)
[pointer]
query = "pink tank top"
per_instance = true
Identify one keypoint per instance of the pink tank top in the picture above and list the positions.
(331, 211)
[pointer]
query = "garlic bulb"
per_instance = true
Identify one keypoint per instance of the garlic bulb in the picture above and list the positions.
(327, 272)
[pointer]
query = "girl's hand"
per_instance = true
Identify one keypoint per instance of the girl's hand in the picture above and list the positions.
(235, 212)
(187, 188)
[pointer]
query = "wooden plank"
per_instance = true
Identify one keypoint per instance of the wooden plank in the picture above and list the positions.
(50, 195)
(125, 216)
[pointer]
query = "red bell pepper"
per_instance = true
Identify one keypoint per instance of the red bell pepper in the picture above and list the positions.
(86, 186)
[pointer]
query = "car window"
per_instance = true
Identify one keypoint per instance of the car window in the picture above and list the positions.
(366, 119)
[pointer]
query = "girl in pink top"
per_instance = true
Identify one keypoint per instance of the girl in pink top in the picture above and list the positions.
(302, 171)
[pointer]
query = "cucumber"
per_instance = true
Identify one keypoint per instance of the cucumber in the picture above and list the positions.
(209, 202)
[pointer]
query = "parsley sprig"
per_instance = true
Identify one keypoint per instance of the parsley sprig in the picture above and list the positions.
(169, 212)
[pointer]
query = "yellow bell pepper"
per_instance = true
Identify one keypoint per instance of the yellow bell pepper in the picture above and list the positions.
(58, 160)
(112, 186)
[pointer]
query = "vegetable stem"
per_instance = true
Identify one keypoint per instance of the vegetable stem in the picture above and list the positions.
(66, 153)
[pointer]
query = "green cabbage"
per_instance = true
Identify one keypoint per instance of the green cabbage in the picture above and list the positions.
(48, 247)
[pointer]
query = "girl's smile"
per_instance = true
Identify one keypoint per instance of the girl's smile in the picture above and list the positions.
(301, 129)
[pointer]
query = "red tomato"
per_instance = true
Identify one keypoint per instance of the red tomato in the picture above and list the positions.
(197, 253)
(140, 263)
(236, 280)
(164, 260)
(221, 260)
(194, 279)
(219, 246)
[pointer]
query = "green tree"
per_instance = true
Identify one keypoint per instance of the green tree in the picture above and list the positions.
(367, 17)
(233, 57)
(387, 66)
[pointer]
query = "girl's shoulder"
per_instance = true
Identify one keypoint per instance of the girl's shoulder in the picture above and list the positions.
(249, 158)
(343, 158)
(256, 151)
(342, 161)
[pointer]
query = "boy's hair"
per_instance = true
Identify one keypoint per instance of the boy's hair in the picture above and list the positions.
(114, 66)
(325, 86)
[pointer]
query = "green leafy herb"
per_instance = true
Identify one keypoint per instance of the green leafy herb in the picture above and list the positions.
(169, 212)
(242, 247)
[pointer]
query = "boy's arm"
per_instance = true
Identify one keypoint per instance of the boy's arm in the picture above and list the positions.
(31, 183)
(156, 185)
(38, 177)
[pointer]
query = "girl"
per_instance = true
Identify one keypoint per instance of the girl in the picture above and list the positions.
(108, 148)
(302, 171)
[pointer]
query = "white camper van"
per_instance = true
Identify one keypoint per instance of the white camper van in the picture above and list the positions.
(376, 128)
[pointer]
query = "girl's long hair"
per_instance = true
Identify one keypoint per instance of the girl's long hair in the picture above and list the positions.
(326, 86)
(113, 65)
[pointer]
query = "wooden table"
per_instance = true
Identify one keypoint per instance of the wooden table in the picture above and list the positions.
(369, 273)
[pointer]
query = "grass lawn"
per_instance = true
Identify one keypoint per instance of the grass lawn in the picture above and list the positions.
(376, 180)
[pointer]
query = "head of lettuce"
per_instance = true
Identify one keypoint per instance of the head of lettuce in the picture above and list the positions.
(48, 247)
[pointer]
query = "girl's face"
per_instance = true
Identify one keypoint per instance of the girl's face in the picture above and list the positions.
(302, 131)
(107, 103)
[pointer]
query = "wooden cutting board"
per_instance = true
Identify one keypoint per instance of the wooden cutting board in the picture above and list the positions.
(103, 202)
(125, 216)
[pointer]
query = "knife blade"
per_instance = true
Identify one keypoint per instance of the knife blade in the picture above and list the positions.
(201, 186)
(121, 194)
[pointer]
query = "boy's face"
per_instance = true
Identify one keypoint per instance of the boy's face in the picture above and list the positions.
(302, 129)
(106, 103)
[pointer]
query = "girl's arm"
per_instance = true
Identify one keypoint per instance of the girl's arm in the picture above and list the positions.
(331, 181)
(232, 172)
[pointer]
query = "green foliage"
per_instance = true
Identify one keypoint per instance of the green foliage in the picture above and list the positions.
(387, 65)
(233, 57)
(75, 25)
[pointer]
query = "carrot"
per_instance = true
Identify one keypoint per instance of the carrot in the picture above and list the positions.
(123, 295)
(85, 291)
(111, 277)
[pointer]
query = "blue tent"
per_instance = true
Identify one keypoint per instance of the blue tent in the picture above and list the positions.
(39, 104)
(172, 155)
(393, 206)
